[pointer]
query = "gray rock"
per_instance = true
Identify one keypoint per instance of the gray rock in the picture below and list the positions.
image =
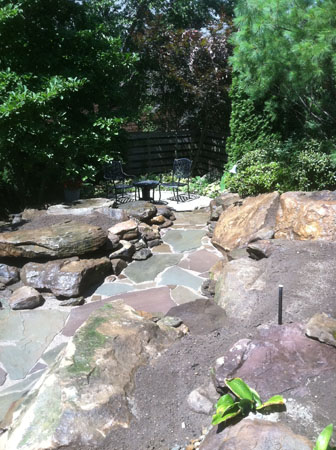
(199, 402)
(171, 321)
(9, 274)
(221, 203)
(154, 243)
(140, 210)
(60, 240)
(112, 242)
(67, 278)
(238, 287)
(130, 235)
(139, 244)
(237, 253)
(118, 265)
(262, 235)
(167, 223)
(166, 212)
(255, 434)
(142, 254)
(149, 233)
(323, 328)
(25, 298)
(76, 301)
(85, 395)
(260, 249)
(208, 288)
(125, 252)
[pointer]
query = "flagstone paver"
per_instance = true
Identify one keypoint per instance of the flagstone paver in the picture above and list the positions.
(151, 300)
(199, 261)
(182, 294)
(140, 271)
(24, 335)
(115, 288)
(184, 240)
(177, 276)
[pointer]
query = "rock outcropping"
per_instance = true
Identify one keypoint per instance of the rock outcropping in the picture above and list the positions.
(85, 395)
(58, 241)
(307, 216)
(67, 278)
(237, 224)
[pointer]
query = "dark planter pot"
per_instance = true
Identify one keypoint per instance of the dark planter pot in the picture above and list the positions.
(71, 195)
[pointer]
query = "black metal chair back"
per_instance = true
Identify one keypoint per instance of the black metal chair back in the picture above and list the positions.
(113, 171)
(182, 168)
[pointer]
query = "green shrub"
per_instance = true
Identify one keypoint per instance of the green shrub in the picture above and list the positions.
(303, 165)
(314, 171)
(255, 179)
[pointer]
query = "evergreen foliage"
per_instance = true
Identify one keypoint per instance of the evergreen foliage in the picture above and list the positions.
(285, 57)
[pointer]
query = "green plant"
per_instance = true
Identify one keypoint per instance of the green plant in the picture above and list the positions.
(247, 400)
(324, 437)
(204, 185)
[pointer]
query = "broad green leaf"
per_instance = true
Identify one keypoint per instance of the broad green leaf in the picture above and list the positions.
(231, 412)
(275, 400)
(246, 406)
(223, 403)
(239, 388)
(256, 397)
(324, 438)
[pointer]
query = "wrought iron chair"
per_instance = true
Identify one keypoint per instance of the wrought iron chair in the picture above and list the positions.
(114, 174)
(181, 170)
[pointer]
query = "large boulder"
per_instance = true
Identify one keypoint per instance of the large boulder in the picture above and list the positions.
(307, 216)
(282, 360)
(58, 241)
(86, 394)
(255, 434)
(239, 288)
(238, 224)
(248, 289)
(143, 211)
(86, 207)
(67, 278)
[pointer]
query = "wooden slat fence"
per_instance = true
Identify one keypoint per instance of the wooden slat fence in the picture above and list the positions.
(154, 152)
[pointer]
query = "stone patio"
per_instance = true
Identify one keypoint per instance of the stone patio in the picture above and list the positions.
(30, 341)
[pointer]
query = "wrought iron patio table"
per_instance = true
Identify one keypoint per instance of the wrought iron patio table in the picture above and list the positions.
(146, 186)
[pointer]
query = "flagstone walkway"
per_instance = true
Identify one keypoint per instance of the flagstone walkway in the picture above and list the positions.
(31, 340)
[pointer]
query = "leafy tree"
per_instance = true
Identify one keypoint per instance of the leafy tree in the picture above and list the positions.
(187, 76)
(63, 80)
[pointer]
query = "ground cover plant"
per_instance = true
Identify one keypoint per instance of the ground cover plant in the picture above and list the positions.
(322, 442)
(246, 400)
